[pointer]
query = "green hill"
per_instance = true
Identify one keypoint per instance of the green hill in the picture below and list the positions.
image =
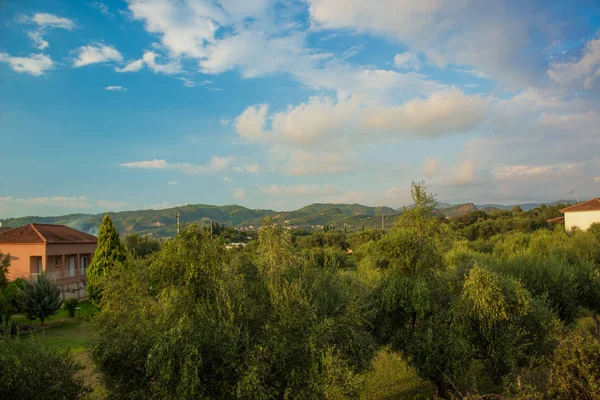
(162, 223)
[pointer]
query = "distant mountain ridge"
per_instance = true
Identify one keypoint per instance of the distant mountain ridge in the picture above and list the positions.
(314, 216)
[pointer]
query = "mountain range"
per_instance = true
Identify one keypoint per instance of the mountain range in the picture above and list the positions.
(162, 223)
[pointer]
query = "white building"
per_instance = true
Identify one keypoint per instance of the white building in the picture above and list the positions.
(582, 215)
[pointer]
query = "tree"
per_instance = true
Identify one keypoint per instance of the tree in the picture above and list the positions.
(4, 264)
(141, 246)
(110, 251)
(39, 298)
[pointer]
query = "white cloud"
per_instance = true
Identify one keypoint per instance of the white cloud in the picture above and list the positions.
(302, 163)
(431, 167)
(251, 122)
(323, 119)
(100, 53)
(239, 194)
(520, 171)
(174, 183)
(252, 168)
(582, 72)
(55, 201)
(298, 191)
(116, 88)
(459, 32)
(38, 40)
(133, 66)
(407, 60)
(168, 68)
(35, 64)
(112, 205)
(103, 8)
(51, 21)
(214, 165)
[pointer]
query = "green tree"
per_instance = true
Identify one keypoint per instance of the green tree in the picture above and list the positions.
(39, 298)
(4, 264)
(110, 251)
(141, 246)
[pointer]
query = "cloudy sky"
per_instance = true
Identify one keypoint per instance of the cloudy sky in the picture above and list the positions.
(114, 105)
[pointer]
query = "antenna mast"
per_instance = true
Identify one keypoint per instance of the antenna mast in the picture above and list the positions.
(178, 215)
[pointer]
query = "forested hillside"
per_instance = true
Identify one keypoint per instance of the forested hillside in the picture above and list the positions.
(162, 223)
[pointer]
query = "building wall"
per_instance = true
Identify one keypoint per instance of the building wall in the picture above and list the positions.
(23, 258)
(581, 219)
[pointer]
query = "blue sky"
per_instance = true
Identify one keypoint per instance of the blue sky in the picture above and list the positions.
(118, 105)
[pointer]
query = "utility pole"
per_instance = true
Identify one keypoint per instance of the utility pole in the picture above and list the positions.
(211, 229)
(178, 215)
(382, 223)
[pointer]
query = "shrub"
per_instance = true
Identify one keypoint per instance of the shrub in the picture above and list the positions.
(29, 370)
(71, 306)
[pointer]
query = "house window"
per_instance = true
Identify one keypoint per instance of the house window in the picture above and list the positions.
(84, 264)
(57, 262)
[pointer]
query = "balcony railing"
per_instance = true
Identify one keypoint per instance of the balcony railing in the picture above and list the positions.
(60, 275)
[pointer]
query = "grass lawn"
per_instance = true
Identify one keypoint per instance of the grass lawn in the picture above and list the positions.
(62, 333)
(85, 310)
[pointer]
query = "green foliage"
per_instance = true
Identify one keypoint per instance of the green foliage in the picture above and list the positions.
(4, 264)
(109, 252)
(575, 369)
(210, 327)
(30, 370)
(71, 307)
(140, 246)
(39, 298)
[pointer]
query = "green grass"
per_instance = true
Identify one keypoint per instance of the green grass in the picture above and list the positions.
(85, 310)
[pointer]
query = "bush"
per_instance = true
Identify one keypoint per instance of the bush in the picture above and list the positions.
(71, 306)
(29, 370)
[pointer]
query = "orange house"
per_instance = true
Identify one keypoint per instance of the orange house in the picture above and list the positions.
(62, 253)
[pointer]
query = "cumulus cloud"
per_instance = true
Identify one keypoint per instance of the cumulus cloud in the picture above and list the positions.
(298, 190)
(115, 88)
(167, 68)
(44, 20)
(35, 64)
(38, 40)
(407, 60)
(86, 55)
(458, 32)
(239, 194)
(216, 164)
(133, 66)
(111, 205)
(44, 23)
(103, 8)
(582, 72)
(323, 118)
(75, 202)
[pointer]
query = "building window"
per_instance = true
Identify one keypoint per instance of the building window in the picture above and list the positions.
(84, 264)
(57, 262)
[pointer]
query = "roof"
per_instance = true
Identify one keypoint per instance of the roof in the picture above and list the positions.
(46, 233)
(557, 220)
(590, 205)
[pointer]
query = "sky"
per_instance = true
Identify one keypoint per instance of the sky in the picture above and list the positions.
(122, 105)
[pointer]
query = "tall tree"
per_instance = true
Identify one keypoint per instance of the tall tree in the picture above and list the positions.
(4, 264)
(39, 298)
(110, 251)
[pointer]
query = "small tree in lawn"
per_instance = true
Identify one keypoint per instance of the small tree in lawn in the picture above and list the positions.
(110, 251)
(39, 298)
